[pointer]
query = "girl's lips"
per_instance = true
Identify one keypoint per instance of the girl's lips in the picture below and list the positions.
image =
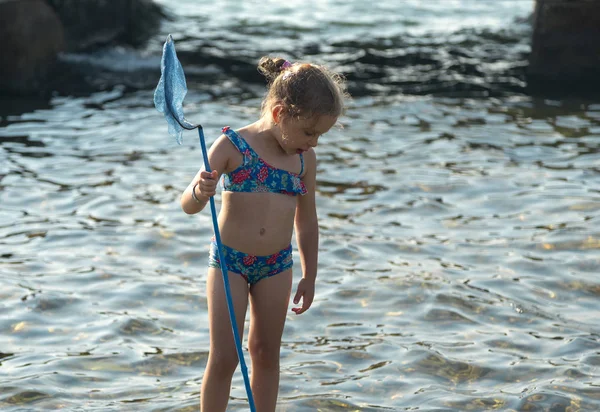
(300, 151)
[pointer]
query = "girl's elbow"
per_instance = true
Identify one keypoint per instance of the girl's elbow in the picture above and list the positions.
(186, 211)
(185, 206)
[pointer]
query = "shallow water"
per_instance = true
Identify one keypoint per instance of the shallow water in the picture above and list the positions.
(459, 248)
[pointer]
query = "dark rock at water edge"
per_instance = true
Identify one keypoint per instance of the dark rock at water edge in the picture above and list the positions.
(92, 23)
(34, 32)
(32, 36)
(565, 49)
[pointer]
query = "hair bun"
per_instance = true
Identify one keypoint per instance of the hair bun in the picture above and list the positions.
(270, 67)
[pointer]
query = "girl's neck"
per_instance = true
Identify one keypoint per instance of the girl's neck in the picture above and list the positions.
(266, 132)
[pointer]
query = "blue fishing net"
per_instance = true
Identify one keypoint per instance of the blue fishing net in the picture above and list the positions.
(168, 99)
(171, 90)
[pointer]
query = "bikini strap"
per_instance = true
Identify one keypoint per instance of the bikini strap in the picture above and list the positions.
(301, 164)
(239, 142)
(235, 138)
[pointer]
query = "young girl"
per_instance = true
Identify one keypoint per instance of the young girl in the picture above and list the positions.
(268, 170)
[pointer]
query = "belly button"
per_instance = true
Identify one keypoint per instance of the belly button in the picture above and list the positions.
(262, 231)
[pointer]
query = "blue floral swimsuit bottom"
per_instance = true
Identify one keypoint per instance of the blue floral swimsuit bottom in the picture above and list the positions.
(252, 268)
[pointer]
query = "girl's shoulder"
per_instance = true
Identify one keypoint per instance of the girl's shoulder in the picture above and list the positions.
(224, 143)
(226, 153)
(239, 138)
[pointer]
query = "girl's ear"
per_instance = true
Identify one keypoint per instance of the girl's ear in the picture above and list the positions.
(277, 112)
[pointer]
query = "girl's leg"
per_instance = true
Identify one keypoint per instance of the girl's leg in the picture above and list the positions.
(269, 300)
(222, 358)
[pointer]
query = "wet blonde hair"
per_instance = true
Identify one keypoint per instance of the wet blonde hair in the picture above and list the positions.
(305, 90)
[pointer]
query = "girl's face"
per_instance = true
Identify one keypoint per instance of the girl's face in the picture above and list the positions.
(299, 135)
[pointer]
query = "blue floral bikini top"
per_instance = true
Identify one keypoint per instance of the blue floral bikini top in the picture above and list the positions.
(256, 175)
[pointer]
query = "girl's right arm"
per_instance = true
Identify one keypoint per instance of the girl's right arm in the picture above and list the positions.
(203, 186)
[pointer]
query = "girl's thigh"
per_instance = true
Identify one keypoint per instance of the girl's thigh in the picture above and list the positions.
(269, 301)
(221, 335)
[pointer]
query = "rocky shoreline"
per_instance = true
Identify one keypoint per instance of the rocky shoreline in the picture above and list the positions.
(37, 34)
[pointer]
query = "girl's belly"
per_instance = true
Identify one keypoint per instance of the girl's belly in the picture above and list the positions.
(257, 223)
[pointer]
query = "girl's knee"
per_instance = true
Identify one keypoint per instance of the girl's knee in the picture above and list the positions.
(264, 353)
(224, 363)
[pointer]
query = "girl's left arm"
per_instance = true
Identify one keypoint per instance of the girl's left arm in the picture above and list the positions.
(307, 235)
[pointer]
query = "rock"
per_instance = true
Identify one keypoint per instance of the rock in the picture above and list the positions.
(565, 51)
(34, 32)
(146, 17)
(89, 24)
(31, 37)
